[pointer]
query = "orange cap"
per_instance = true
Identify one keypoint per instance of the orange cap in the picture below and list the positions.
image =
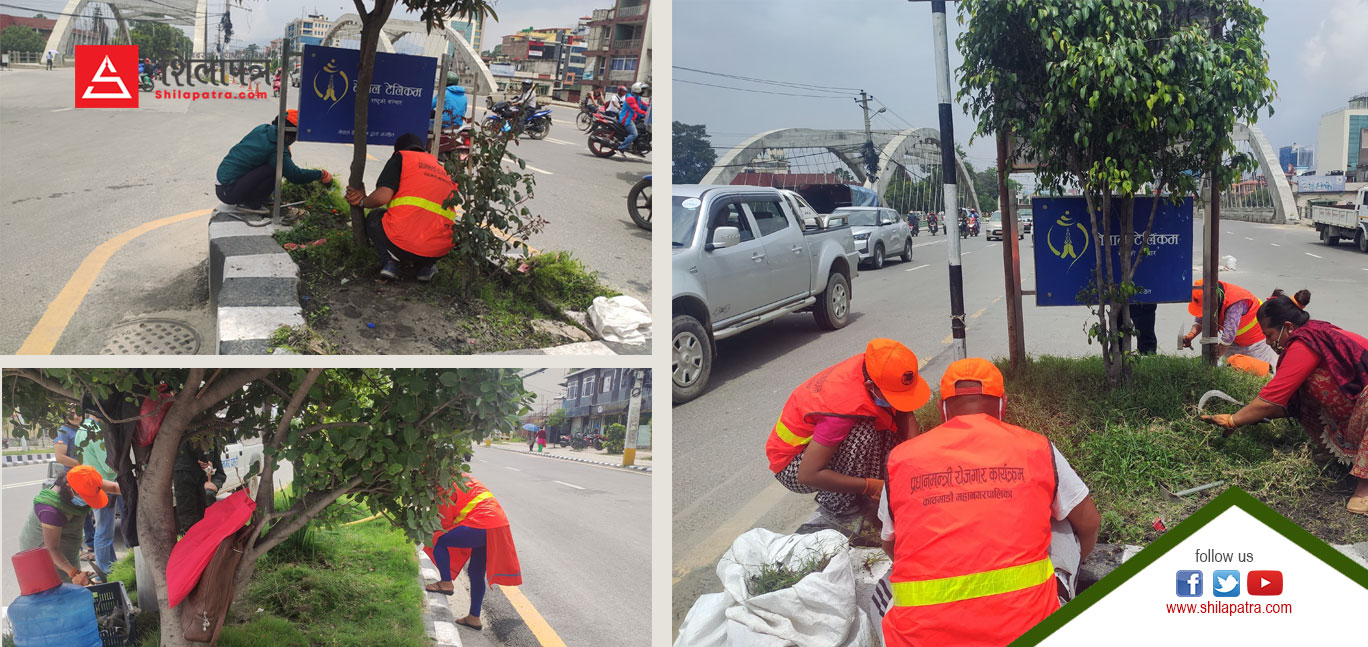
(893, 368)
(87, 483)
(1195, 305)
(972, 369)
(292, 116)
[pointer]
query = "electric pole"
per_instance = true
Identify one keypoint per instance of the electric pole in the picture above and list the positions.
(871, 157)
(948, 176)
(629, 440)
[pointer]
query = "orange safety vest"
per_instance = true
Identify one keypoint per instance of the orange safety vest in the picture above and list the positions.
(837, 391)
(477, 508)
(415, 219)
(970, 502)
(1248, 333)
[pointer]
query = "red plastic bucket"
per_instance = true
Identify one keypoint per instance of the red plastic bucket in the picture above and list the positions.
(35, 571)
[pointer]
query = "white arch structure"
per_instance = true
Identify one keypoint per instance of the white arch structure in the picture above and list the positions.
(171, 12)
(475, 75)
(1284, 203)
(893, 148)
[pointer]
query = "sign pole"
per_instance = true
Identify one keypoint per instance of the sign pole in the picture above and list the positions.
(439, 117)
(1210, 259)
(1011, 257)
(282, 126)
(948, 177)
(629, 441)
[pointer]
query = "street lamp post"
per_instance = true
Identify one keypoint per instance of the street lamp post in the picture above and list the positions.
(629, 440)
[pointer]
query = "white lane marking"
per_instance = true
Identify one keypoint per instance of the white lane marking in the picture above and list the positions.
(512, 468)
(533, 168)
(911, 269)
(1231, 233)
(553, 140)
(1275, 244)
(1248, 238)
(562, 121)
(64, 109)
(10, 485)
(1311, 255)
(568, 485)
(965, 253)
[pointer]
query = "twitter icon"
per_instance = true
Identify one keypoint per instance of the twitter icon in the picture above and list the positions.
(1225, 584)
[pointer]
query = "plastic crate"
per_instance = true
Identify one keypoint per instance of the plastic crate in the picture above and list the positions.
(111, 601)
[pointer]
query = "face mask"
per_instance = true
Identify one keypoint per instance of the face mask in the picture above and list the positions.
(77, 500)
(880, 401)
(1277, 344)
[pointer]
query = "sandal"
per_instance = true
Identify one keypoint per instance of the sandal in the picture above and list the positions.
(467, 624)
(429, 589)
(1358, 505)
(88, 556)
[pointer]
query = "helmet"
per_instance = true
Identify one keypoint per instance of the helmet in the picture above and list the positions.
(527, 83)
(622, 89)
(639, 87)
(453, 78)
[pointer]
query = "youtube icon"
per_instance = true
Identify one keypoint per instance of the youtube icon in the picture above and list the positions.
(1264, 583)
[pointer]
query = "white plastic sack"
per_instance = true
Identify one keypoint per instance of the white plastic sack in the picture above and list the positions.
(821, 610)
(1228, 263)
(620, 319)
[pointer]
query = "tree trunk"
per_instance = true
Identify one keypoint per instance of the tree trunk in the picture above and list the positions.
(371, 22)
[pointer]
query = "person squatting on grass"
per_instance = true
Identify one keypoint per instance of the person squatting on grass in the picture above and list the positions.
(408, 224)
(475, 531)
(1321, 380)
(246, 176)
(983, 520)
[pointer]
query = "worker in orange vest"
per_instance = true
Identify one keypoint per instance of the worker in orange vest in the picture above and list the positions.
(985, 521)
(412, 228)
(835, 431)
(1239, 326)
(474, 529)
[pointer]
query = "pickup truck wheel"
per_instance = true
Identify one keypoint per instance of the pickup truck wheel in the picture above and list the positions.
(907, 252)
(833, 304)
(691, 360)
(877, 260)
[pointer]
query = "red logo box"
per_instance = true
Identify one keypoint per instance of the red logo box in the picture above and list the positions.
(1264, 583)
(106, 76)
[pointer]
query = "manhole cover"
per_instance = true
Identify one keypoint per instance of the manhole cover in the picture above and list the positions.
(153, 337)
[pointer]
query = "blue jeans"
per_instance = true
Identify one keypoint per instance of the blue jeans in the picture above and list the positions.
(464, 537)
(631, 135)
(104, 532)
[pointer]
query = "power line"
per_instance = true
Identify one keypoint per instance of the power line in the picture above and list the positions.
(789, 84)
(785, 94)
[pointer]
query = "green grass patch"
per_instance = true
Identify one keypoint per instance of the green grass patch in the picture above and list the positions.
(1129, 443)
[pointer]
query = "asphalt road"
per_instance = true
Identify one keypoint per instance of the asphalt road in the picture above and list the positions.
(583, 534)
(722, 485)
(19, 485)
(72, 180)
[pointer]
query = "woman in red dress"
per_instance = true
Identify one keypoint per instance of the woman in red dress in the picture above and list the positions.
(1321, 380)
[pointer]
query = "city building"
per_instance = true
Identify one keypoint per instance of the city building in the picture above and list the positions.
(307, 31)
(553, 59)
(41, 25)
(472, 31)
(1299, 157)
(618, 46)
(1342, 143)
(598, 397)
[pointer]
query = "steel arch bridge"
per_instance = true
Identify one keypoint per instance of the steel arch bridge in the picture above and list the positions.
(898, 153)
(171, 12)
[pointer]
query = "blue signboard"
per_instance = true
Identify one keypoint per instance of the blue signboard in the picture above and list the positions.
(400, 95)
(1065, 257)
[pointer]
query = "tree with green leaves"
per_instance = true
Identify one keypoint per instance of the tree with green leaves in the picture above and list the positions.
(18, 38)
(1109, 96)
(843, 174)
(159, 41)
(693, 153)
(386, 438)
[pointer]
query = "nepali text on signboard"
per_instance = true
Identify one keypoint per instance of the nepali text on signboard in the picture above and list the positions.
(1320, 184)
(401, 93)
(1065, 257)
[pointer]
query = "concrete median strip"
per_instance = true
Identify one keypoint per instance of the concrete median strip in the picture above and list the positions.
(639, 468)
(437, 616)
(253, 285)
(27, 459)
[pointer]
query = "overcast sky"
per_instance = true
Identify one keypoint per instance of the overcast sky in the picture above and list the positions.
(1317, 50)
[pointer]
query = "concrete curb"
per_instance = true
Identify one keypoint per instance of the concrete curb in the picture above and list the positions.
(253, 285)
(437, 616)
(596, 347)
(27, 459)
(639, 468)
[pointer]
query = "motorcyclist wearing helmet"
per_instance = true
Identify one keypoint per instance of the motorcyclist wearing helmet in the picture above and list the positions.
(633, 108)
(455, 105)
(526, 102)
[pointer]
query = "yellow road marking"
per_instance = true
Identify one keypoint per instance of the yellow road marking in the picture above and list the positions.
(372, 157)
(948, 338)
(707, 552)
(534, 621)
(43, 338)
(977, 314)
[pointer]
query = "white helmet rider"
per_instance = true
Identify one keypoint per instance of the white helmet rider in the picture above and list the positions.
(639, 87)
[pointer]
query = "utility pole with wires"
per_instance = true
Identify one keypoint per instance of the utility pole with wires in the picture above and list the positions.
(871, 157)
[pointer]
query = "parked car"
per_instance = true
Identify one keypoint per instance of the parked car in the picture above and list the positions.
(742, 257)
(994, 227)
(1027, 222)
(879, 231)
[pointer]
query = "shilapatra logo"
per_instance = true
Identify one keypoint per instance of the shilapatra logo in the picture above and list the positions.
(106, 76)
(333, 74)
(1065, 225)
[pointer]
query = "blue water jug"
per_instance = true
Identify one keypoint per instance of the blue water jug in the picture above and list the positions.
(60, 617)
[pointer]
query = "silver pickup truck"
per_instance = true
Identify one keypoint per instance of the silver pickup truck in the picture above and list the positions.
(744, 256)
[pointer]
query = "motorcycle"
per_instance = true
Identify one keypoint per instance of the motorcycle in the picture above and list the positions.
(507, 116)
(455, 143)
(932, 225)
(275, 87)
(915, 225)
(580, 442)
(607, 135)
(145, 83)
(639, 203)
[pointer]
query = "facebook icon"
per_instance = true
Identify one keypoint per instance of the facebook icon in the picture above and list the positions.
(1189, 584)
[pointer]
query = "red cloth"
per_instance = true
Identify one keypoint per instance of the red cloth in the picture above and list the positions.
(1318, 343)
(193, 552)
(502, 556)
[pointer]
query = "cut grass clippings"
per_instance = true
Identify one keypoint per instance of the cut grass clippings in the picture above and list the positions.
(353, 586)
(348, 308)
(1129, 443)
(768, 578)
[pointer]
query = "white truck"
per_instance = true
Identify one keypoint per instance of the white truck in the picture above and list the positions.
(744, 256)
(1349, 222)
